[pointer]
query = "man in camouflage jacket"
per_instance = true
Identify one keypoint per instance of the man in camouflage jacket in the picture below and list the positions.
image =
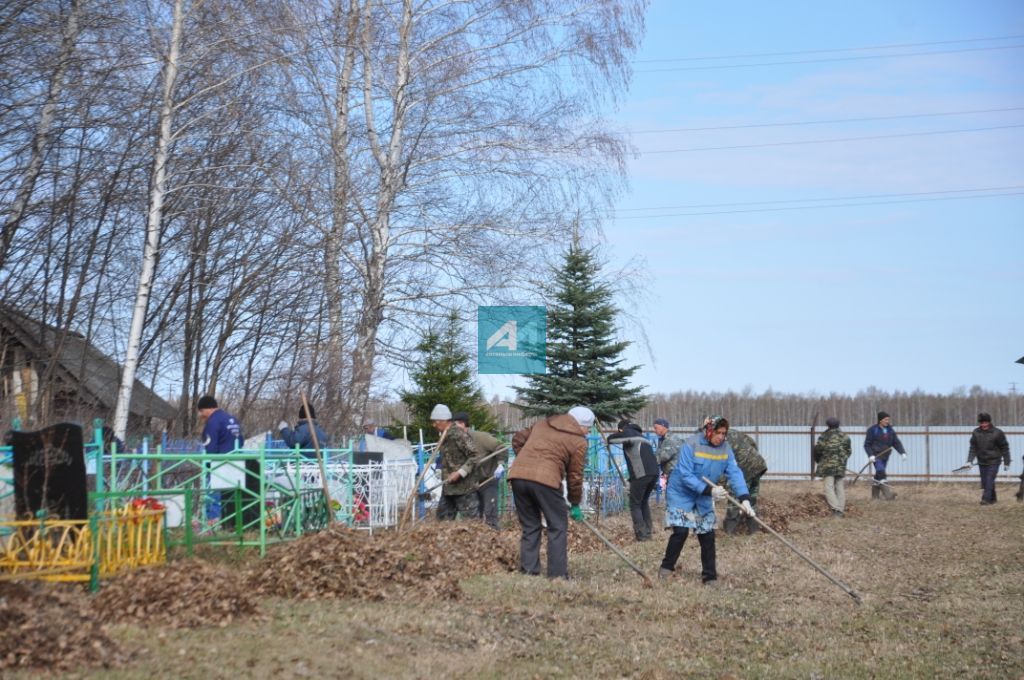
(488, 475)
(458, 459)
(668, 446)
(830, 455)
(753, 466)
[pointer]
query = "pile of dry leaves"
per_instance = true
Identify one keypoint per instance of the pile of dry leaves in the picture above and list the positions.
(46, 626)
(799, 507)
(428, 560)
(183, 594)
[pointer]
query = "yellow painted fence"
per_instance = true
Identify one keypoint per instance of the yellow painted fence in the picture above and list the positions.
(65, 550)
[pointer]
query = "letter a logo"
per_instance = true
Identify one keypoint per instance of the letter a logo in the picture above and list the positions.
(504, 337)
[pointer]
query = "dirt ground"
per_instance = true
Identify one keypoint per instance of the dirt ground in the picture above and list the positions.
(940, 577)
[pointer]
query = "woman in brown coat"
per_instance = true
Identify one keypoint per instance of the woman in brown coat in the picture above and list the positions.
(550, 451)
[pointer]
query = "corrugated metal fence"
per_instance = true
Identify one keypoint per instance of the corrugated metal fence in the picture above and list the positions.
(932, 452)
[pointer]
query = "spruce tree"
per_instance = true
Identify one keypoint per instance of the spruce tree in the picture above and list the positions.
(445, 376)
(584, 361)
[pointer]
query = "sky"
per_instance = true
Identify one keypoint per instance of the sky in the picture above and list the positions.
(890, 255)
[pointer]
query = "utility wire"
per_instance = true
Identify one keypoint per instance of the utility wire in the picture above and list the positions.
(896, 46)
(816, 207)
(858, 197)
(825, 60)
(830, 141)
(825, 121)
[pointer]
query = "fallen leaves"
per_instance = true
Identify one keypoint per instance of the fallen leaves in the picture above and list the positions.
(48, 626)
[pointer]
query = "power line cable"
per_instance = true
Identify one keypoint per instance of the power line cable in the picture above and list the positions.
(831, 141)
(858, 197)
(816, 207)
(827, 60)
(826, 121)
(896, 46)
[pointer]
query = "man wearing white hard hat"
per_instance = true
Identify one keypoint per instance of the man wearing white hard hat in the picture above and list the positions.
(553, 450)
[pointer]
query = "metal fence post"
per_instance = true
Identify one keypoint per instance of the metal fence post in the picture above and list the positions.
(927, 455)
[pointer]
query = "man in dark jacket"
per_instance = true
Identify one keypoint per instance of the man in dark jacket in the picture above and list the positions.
(222, 433)
(302, 435)
(552, 450)
(879, 442)
(642, 466)
(988, 446)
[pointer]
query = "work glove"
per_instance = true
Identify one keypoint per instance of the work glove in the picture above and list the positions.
(499, 471)
(283, 425)
(871, 459)
(748, 509)
(718, 492)
(576, 513)
(903, 456)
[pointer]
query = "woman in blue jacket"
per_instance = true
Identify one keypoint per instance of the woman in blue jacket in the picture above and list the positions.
(689, 500)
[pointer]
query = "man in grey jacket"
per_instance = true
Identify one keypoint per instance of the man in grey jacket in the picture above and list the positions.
(643, 474)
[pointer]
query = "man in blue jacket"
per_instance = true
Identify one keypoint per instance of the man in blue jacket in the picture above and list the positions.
(222, 433)
(690, 500)
(879, 442)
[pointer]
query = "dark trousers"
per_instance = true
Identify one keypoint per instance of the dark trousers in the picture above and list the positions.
(487, 495)
(640, 491)
(988, 482)
(533, 501)
(707, 552)
(451, 506)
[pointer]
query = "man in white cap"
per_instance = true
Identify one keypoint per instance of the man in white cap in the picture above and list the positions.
(458, 495)
(552, 450)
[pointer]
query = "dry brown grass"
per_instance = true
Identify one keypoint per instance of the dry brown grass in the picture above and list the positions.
(942, 581)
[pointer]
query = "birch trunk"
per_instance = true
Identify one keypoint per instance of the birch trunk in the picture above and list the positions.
(340, 216)
(153, 227)
(391, 182)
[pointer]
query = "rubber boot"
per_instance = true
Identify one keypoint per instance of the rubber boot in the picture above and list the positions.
(730, 525)
(875, 492)
(752, 526)
(887, 493)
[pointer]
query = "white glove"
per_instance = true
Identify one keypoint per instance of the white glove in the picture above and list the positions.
(903, 456)
(718, 492)
(283, 425)
(499, 471)
(747, 509)
(871, 459)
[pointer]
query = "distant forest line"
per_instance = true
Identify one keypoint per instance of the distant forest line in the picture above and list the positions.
(685, 409)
